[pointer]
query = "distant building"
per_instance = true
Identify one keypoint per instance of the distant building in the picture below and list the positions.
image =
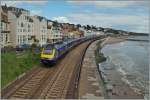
(56, 34)
(54, 31)
(65, 29)
(5, 28)
(71, 31)
(49, 33)
(88, 33)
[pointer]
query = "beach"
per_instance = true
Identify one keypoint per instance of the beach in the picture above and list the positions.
(111, 40)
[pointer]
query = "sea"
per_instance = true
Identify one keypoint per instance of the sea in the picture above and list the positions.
(132, 60)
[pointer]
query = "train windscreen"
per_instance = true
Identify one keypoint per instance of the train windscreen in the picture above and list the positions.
(48, 49)
(49, 46)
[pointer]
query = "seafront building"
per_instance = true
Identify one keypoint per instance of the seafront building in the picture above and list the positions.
(65, 30)
(55, 34)
(21, 26)
(49, 33)
(71, 31)
(40, 29)
(5, 28)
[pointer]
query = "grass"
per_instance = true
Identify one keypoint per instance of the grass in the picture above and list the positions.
(12, 65)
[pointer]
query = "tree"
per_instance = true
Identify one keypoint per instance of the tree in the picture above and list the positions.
(84, 27)
(78, 25)
(35, 42)
(55, 24)
(88, 27)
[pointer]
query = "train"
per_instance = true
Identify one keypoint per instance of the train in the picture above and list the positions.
(52, 52)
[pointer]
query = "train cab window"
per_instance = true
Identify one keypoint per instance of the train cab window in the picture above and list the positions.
(49, 46)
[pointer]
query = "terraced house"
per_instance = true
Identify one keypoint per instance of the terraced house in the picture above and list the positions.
(54, 31)
(21, 26)
(49, 27)
(5, 29)
(40, 29)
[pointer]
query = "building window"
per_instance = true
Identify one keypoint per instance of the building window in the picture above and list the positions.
(18, 38)
(28, 26)
(1, 25)
(2, 37)
(24, 39)
(29, 37)
(21, 24)
(6, 38)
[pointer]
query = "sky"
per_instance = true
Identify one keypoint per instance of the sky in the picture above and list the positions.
(124, 14)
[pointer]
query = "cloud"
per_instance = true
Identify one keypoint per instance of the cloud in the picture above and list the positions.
(136, 23)
(61, 19)
(37, 2)
(111, 3)
(14, 3)
(10, 3)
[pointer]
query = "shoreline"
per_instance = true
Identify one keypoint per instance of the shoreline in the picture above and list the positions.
(113, 84)
(112, 40)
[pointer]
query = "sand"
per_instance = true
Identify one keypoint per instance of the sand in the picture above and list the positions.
(111, 40)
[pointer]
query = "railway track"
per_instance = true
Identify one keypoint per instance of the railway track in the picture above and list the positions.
(58, 81)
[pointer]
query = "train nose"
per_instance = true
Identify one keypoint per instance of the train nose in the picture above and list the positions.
(47, 54)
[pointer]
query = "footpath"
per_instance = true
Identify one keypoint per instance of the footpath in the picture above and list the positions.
(90, 81)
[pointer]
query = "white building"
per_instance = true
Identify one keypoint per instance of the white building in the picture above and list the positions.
(49, 33)
(21, 26)
(54, 31)
(4, 27)
(56, 34)
(40, 29)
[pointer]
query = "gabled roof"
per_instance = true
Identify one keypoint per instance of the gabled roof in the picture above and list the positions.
(4, 8)
(17, 14)
(40, 18)
(30, 20)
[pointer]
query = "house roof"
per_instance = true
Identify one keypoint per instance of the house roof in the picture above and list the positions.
(17, 9)
(4, 8)
(17, 14)
(29, 19)
(40, 18)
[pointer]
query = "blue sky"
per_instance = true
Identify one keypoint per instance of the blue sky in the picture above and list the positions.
(125, 15)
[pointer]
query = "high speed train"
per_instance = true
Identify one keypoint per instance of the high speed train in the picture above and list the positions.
(52, 52)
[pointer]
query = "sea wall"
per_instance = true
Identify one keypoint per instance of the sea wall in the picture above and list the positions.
(90, 84)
